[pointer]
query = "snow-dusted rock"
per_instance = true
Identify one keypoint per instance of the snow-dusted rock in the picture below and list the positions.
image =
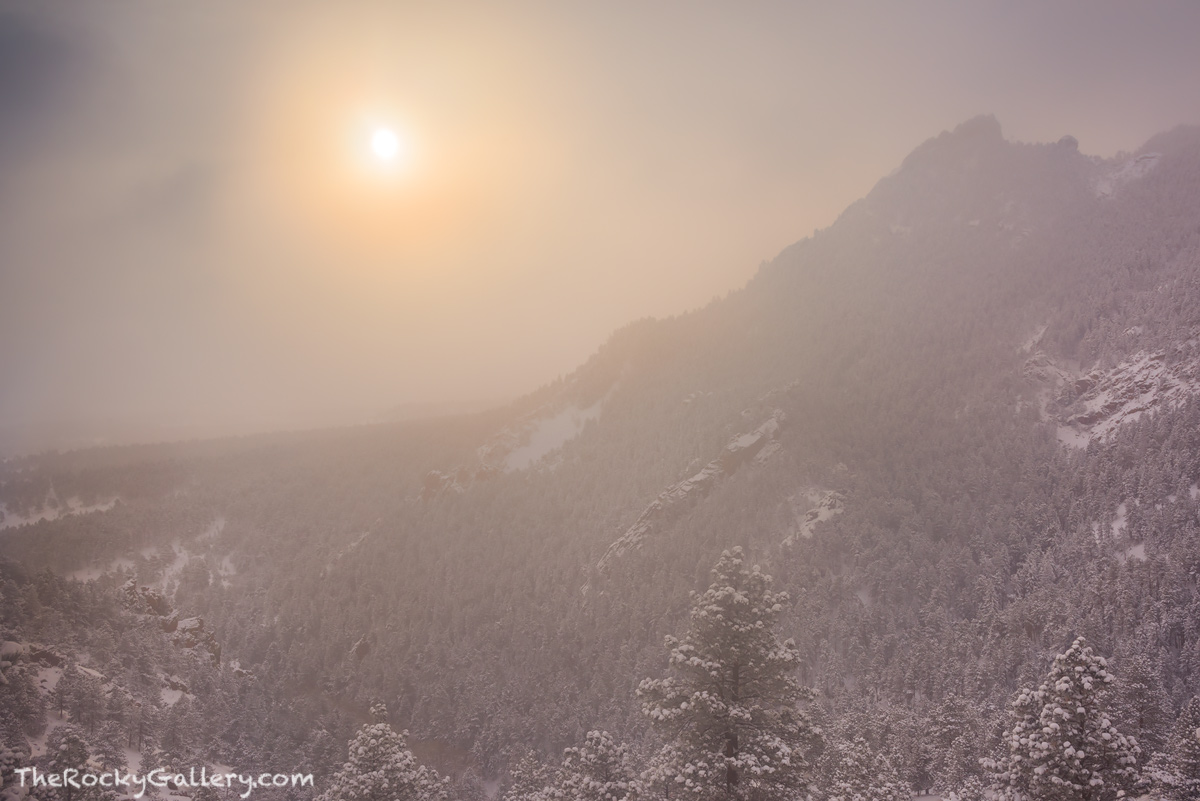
(1111, 179)
(756, 445)
(1141, 383)
(812, 506)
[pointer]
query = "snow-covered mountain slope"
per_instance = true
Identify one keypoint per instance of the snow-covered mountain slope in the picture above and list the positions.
(934, 343)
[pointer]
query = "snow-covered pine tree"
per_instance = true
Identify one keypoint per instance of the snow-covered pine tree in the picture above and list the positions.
(1184, 753)
(954, 735)
(106, 746)
(599, 770)
(730, 708)
(66, 748)
(659, 778)
(381, 768)
(1062, 744)
(1140, 706)
(527, 779)
(856, 773)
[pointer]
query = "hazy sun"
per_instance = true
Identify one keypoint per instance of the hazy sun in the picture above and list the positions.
(385, 144)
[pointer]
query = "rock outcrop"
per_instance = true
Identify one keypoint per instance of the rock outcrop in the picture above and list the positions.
(757, 445)
(193, 633)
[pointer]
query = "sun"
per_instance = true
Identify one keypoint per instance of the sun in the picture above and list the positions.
(385, 144)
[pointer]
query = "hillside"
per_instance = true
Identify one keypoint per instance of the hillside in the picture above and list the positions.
(959, 427)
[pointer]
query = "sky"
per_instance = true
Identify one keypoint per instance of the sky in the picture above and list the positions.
(196, 236)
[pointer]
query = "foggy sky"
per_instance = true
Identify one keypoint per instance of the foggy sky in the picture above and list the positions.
(192, 232)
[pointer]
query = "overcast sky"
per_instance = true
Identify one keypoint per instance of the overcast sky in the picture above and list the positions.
(194, 230)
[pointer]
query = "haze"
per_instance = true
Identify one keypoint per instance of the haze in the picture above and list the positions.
(195, 236)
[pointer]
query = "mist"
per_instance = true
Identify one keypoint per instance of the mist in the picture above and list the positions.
(194, 238)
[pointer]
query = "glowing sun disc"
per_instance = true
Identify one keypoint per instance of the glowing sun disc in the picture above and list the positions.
(385, 144)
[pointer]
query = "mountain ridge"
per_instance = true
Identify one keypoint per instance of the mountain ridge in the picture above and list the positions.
(955, 546)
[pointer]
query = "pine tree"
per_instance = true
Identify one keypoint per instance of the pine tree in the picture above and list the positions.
(1062, 744)
(954, 734)
(1141, 708)
(107, 746)
(65, 688)
(599, 770)
(856, 773)
(67, 748)
(731, 706)
(527, 779)
(381, 768)
(1183, 756)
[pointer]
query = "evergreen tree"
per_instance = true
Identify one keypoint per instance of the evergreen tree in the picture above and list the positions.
(1183, 758)
(598, 770)
(856, 773)
(663, 776)
(954, 733)
(65, 688)
(66, 748)
(731, 706)
(1062, 744)
(149, 760)
(527, 779)
(206, 794)
(107, 746)
(381, 768)
(1141, 708)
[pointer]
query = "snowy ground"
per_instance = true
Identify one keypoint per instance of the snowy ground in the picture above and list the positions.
(73, 506)
(550, 434)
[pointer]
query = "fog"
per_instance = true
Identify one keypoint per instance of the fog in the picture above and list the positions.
(196, 238)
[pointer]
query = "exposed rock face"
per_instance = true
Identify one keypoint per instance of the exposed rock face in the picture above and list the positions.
(192, 633)
(813, 506)
(1094, 405)
(145, 601)
(187, 633)
(757, 445)
(46, 656)
(1141, 383)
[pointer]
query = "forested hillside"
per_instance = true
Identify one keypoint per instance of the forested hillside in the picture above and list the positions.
(959, 429)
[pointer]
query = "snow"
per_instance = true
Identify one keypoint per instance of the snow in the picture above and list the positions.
(1033, 339)
(133, 760)
(550, 434)
(73, 506)
(812, 506)
(177, 565)
(1121, 520)
(214, 529)
(170, 697)
(1072, 438)
(47, 678)
(741, 448)
(96, 571)
(1141, 383)
(37, 745)
(1137, 553)
(1112, 179)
